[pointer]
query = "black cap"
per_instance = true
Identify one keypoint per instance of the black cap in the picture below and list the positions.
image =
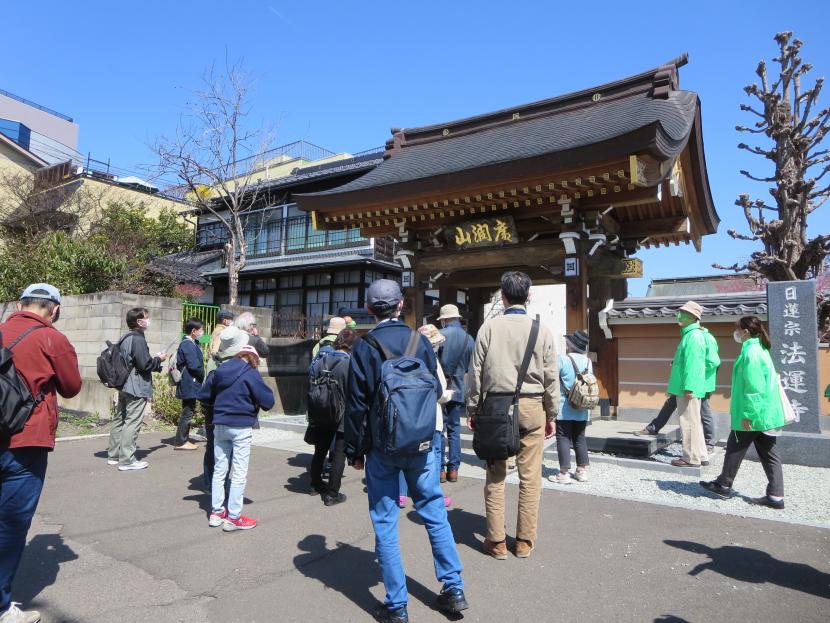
(383, 295)
(224, 315)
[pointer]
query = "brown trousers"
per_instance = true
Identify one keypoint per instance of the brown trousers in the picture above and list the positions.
(529, 464)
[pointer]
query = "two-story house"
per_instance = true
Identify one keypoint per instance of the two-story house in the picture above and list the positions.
(305, 275)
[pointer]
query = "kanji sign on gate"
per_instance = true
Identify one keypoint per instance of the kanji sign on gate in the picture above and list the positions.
(793, 331)
(491, 232)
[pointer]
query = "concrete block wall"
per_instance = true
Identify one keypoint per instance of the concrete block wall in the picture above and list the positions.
(89, 320)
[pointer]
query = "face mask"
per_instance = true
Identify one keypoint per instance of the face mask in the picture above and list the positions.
(144, 323)
(198, 335)
(737, 336)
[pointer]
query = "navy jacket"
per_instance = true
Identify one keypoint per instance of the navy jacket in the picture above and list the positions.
(190, 362)
(455, 357)
(364, 378)
(237, 392)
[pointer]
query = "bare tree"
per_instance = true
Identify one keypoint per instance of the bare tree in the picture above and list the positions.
(787, 116)
(215, 156)
(32, 204)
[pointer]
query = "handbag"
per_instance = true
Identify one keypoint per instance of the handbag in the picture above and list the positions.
(790, 414)
(496, 433)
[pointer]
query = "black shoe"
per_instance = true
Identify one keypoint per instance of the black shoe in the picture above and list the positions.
(331, 500)
(452, 601)
(317, 489)
(768, 501)
(717, 488)
(384, 615)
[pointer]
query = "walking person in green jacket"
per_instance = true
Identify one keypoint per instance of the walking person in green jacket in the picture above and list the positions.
(757, 414)
(688, 382)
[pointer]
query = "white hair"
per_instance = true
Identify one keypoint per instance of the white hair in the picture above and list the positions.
(244, 321)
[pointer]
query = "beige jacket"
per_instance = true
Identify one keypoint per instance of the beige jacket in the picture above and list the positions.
(500, 348)
(213, 347)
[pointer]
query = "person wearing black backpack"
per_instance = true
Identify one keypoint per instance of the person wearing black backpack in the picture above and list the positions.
(395, 366)
(326, 405)
(135, 393)
(47, 364)
(571, 422)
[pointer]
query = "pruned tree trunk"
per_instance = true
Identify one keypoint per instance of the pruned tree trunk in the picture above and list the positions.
(788, 119)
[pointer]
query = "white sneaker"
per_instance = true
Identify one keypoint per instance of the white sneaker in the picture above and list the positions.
(133, 465)
(16, 615)
(112, 461)
(562, 478)
(581, 475)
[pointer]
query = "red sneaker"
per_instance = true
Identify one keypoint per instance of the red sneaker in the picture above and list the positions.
(217, 519)
(241, 523)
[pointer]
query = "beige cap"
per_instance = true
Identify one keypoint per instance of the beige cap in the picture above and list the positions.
(336, 325)
(431, 332)
(448, 312)
(693, 308)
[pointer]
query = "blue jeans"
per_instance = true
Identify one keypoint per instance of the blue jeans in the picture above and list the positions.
(232, 447)
(22, 471)
(452, 424)
(421, 473)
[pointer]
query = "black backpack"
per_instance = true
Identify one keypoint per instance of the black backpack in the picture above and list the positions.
(326, 399)
(16, 401)
(112, 368)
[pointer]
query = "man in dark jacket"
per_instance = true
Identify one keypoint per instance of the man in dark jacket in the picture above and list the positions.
(48, 364)
(384, 301)
(455, 358)
(133, 397)
(190, 362)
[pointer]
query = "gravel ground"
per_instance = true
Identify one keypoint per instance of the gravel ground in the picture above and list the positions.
(807, 488)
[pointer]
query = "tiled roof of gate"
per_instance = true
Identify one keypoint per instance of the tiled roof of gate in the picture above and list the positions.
(733, 304)
(548, 126)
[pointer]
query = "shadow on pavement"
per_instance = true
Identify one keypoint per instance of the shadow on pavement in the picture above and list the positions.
(140, 453)
(300, 483)
(754, 566)
(466, 526)
(691, 489)
(40, 565)
(669, 618)
(350, 571)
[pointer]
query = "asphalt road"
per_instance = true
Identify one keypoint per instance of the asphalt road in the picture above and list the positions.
(135, 546)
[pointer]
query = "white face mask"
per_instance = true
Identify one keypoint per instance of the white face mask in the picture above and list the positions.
(144, 323)
(198, 335)
(738, 336)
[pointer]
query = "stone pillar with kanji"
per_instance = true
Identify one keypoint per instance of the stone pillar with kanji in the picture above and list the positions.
(794, 335)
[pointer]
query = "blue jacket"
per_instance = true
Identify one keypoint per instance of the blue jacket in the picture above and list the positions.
(567, 378)
(190, 362)
(455, 357)
(237, 392)
(364, 378)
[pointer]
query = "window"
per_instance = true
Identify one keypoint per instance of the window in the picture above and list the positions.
(291, 281)
(265, 299)
(316, 238)
(287, 298)
(211, 235)
(318, 279)
(296, 233)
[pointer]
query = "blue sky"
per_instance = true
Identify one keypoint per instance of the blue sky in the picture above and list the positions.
(341, 74)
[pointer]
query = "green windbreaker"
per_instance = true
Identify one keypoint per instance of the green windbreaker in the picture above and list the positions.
(688, 368)
(755, 394)
(712, 361)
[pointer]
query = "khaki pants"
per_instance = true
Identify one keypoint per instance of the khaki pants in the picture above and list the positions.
(691, 427)
(529, 464)
(125, 426)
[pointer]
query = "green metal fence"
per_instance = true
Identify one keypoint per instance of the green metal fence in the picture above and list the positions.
(205, 313)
